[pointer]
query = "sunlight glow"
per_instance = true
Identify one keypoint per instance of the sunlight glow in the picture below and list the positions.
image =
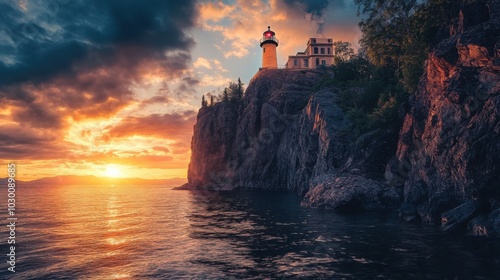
(113, 171)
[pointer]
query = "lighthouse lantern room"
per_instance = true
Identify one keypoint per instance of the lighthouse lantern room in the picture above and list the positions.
(268, 43)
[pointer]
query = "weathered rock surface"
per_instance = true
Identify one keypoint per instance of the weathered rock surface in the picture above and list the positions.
(281, 136)
(449, 147)
(458, 217)
(349, 193)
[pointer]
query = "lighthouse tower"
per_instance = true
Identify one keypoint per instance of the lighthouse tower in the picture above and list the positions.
(268, 43)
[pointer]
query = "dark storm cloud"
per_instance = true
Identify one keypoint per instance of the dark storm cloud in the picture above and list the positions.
(50, 36)
(84, 55)
(314, 7)
(38, 115)
(20, 143)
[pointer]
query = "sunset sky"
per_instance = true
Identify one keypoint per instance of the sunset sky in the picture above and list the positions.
(112, 88)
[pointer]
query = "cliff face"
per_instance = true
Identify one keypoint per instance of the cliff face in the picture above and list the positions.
(448, 155)
(286, 136)
(265, 142)
(443, 168)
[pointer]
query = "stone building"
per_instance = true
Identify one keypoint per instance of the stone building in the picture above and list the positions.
(319, 52)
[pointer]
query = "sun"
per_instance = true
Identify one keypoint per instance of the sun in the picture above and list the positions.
(113, 171)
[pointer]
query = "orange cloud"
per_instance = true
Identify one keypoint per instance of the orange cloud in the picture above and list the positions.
(175, 126)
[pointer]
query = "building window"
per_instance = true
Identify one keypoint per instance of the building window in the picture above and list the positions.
(328, 50)
(315, 50)
(295, 62)
(317, 61)
(313, 40)
(322, 50)
(329, 40)
(323, 62)
(306, 63)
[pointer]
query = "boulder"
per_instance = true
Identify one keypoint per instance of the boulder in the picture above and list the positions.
(348, 193)
(458, 217)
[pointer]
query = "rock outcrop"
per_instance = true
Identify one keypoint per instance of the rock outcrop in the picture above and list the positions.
(283, 135)
(448, 156)
(276, 139)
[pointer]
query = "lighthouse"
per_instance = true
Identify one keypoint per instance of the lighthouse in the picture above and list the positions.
(268, 43)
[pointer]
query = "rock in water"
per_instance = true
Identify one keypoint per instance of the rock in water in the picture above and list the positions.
(348, 194)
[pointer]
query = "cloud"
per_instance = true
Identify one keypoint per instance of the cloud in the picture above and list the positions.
(157, 99)
(210, 64)
(50, 37)
(175, 126)
(202, 63)
(63, 63)
(315, 8)
(22, 143)
(215, 80)
(83, 56)
(215, 11)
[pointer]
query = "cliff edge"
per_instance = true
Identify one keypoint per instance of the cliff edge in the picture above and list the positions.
(288, 136)
(448, 156)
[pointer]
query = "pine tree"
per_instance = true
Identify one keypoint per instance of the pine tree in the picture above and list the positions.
(203, 102)
(211, 100)
(240, 90)
(225, 97)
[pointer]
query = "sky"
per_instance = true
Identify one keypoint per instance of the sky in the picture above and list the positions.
(112, 88)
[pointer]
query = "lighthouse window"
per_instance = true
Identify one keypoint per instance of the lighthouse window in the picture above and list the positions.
(263, 49)
(315, 50)
(322, 50)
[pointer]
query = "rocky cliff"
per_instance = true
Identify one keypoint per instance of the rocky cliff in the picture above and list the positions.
(443, 168)
(286, 135)
(264, 142)
(448, 155)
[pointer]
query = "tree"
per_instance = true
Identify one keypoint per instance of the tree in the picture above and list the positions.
(203, 102)
(397, 34)
(211, 100)
(343, 51)
(235, 91)
(240, 90)
(225, 96)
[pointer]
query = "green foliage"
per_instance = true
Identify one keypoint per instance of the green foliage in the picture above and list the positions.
(232, 93)
(397, 35)
(370, 95)
(203, 101)
(343, 51)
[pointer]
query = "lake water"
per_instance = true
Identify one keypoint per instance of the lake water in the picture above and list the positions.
(141, 232)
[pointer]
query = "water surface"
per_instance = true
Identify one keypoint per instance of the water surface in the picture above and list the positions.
(152, 232)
